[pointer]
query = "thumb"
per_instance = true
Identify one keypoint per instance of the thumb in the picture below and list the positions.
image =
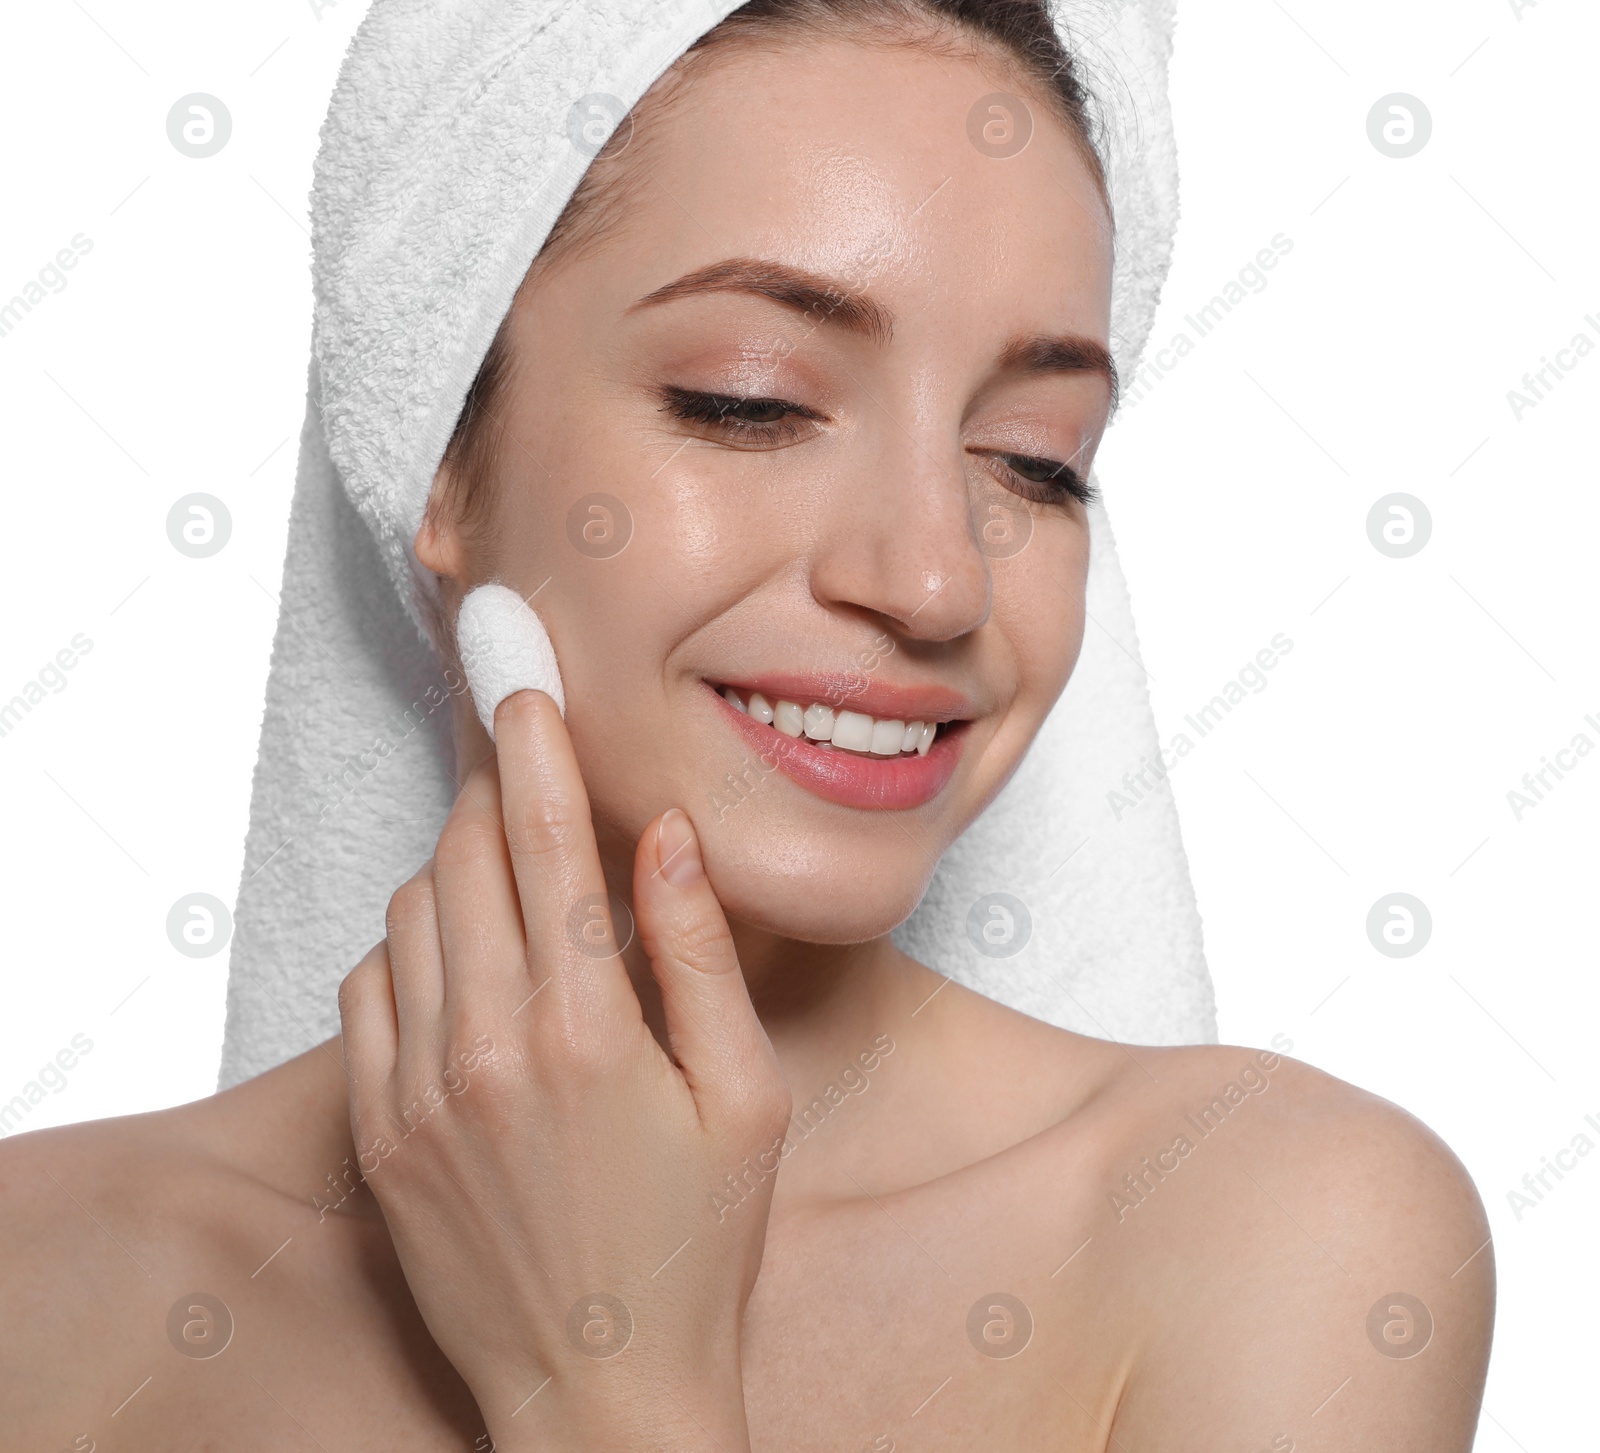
(716, 1036)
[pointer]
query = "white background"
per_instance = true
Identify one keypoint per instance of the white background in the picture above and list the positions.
(1377, 360)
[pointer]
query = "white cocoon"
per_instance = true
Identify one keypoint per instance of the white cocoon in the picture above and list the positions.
(504, 648)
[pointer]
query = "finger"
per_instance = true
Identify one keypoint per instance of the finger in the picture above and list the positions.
(715, 1034)
(370, 1031)
(554, 859)
(416, 968)
(475, 896)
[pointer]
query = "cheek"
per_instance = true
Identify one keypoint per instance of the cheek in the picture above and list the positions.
(1039, 608)
(624, 566)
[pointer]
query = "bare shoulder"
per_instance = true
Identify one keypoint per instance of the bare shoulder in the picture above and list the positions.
(1322, 1257)
(1378, 1166)
(110, 1224)
(68, 1280)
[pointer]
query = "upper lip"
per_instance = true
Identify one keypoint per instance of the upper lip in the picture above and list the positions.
(855, 691)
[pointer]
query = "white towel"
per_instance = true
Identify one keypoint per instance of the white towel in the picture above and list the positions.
(444, 162)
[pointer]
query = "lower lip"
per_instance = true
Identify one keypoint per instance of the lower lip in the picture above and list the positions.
(877, 783)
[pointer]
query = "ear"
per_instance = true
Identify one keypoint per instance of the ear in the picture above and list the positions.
(438, 544)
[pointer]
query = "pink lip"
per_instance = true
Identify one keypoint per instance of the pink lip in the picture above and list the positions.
(875, 783)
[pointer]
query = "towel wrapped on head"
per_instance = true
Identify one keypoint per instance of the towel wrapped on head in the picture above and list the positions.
(446, 157)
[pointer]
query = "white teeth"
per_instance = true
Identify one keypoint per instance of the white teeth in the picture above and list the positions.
(886, 737)
(852, 731)
(819, 722)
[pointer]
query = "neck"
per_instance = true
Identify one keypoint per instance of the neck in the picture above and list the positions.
(824, 1007)
(820, 1004)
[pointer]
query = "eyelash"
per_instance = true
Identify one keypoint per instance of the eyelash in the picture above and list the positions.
(1061, 481)
(718, 411)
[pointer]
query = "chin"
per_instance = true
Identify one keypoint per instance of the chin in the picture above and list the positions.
(813, 887)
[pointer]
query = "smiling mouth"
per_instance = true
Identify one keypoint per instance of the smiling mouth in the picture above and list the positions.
(838, 728)
(849, 757)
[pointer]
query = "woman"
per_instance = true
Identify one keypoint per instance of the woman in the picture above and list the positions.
(553, 1199)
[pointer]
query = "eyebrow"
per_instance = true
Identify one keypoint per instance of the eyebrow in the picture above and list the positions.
(1061, 353)
(832, 301)
(827, 299)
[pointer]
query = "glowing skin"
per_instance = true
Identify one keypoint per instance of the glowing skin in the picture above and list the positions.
(959, 1175)
(799, 558)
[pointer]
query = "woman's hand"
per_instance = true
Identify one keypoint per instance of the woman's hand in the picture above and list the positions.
(547, 1173)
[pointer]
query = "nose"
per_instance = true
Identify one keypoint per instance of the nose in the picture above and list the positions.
(900, 542)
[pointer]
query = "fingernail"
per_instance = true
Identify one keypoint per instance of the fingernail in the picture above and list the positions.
(677, 849)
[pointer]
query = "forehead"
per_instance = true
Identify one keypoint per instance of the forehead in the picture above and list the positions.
(869, 163)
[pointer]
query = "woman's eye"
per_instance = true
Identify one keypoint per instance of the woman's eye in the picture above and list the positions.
(764, 422)
(1045, 481)
(760, 421)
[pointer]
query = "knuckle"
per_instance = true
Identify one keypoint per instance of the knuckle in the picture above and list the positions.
(499, 1089)
(412, 900)
(468, 838)
(491, 1090)
(360, 980)
(756, 1101)
(548, 831)
(703, 943)
(770, 1107)
(573, 1045)
(470, 1053)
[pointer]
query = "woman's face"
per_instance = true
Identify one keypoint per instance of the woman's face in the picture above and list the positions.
(869, 543)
